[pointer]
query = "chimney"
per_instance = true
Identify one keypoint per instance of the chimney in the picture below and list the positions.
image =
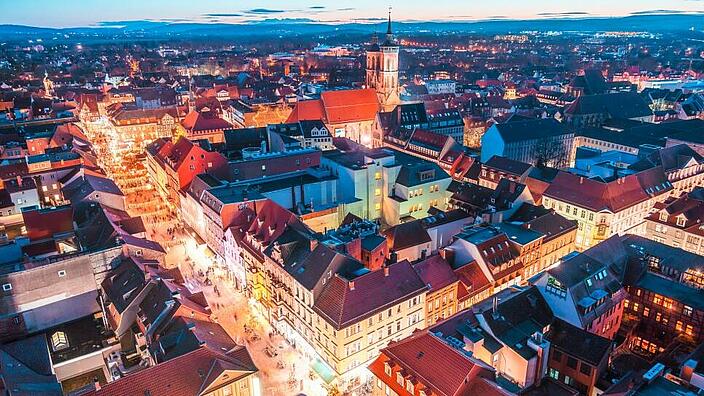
(386, 270)
(581, 180)
(19, 180)
(96, 383)
(351, 284)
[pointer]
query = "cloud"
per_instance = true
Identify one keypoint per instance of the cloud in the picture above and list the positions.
(317, 7)
(370, 19)
(346, 9)
(284, 20)
(563, 14)
(223, 15)
(657, 12)
(264, 11)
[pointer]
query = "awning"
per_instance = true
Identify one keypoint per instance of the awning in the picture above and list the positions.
(325, 372)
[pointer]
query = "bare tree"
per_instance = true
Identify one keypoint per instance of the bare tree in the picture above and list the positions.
(549, 151)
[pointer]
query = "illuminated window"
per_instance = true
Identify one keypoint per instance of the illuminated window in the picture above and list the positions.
(687, 310)
(377, 176)
(377, 206)
(377, 192)
(59, 341)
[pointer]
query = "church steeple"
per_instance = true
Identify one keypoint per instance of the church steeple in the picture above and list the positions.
(382, 68)
(389, 33)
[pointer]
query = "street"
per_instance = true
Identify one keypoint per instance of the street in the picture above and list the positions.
(283, 370)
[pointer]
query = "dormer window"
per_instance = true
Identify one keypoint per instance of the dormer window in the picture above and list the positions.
(681, 220)
(663, 216)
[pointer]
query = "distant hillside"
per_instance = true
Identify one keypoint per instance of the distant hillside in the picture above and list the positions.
(151, 29)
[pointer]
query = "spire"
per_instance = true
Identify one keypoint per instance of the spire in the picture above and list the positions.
(389, 33)
(388, 28)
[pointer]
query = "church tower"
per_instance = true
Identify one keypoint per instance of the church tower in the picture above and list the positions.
(382, 69)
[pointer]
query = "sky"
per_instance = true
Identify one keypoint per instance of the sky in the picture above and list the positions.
(71, 13)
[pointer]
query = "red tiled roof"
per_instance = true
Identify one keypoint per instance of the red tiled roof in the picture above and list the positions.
(182, 376)
(350, 105)
(45, 223)
(204, 121)
(436, 272)
(461, 166)
(472, 279)
(597, 195)
(429, 138)
(12, 170)
(345, 302)
(435, 365)
(307, 110)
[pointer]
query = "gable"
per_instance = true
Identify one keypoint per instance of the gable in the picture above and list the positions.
(219, 378)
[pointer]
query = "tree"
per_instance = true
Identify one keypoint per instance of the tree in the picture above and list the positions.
(549, 151)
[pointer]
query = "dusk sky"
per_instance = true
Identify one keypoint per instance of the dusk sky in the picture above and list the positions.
(65, 13)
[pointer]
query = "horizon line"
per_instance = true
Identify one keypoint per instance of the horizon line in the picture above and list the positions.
(359, 21)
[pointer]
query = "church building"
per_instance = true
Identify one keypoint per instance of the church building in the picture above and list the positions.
(382, 69)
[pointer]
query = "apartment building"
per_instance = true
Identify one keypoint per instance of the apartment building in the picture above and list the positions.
(325, 302)
(677, 221)
(605, 208)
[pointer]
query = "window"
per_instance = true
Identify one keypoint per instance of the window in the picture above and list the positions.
(568, 380)
(556, 355)
(687, 310)
(377, 176)
(681, 221)
(263, 168)
(585, 369)
(679, 326)
(377, 192)
(59, 341)
(377, 206)
(554, 374)
(657, 299)
(571, 362)
(6, 287)
(62, 273)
